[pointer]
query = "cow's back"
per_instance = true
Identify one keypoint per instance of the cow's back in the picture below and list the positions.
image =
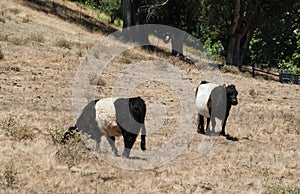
(106, 117)
(202, 97)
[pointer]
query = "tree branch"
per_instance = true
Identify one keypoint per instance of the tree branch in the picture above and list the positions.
(150, 8)
(153, 5)
(250, 18)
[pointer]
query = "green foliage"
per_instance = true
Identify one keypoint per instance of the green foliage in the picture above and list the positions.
(290, 67)
(213, 48)
(275, 41)
(112, 8)
(296, 54)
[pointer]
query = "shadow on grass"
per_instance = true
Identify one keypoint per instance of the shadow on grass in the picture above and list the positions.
(70, 15)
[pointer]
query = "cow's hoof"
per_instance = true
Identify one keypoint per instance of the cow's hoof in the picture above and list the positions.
(200, 131)
(231, 138)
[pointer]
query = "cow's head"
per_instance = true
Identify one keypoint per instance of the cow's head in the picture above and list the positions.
(232, 93)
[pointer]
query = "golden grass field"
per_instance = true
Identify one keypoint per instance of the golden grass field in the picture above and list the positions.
(41, 52)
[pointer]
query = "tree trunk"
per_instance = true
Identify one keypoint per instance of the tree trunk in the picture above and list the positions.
(177, 39)
(133, 17)
(234, 51)
(245, 53)
(241, 31)
(127, 13)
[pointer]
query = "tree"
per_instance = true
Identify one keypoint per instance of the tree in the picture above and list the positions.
(131, 16)
(264, 31)
(252, 30)
(276, 40)
(232, 23)
(134, 16)
(179, 14)
(245, 15)
(135, 13)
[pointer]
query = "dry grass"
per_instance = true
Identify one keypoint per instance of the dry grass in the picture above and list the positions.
(230, 69)
(36, 81)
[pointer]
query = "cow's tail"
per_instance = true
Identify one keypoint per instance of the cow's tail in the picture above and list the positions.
(69, 134)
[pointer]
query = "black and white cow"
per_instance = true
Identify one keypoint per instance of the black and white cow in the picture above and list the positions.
(214, 101)
(113, 117)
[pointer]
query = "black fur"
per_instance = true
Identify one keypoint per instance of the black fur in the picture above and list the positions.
(69, 134)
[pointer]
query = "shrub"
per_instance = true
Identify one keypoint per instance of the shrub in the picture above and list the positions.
(14, 130)
(64, 44)
(10, 176)
(73, 152)
(56, 133)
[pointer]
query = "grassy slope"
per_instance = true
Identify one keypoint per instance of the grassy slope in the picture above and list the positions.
(42, 52)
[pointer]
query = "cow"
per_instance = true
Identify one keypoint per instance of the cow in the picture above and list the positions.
(214, 101)
(113, 117)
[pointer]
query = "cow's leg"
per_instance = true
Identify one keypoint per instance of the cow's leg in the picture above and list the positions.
(224, 124)
(143, 137)
(98, 140)
(213, 125)
(129, 140)
(111, 141)
(207, 125)
(200, 120)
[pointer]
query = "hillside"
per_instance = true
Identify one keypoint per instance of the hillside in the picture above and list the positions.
(42, 51)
